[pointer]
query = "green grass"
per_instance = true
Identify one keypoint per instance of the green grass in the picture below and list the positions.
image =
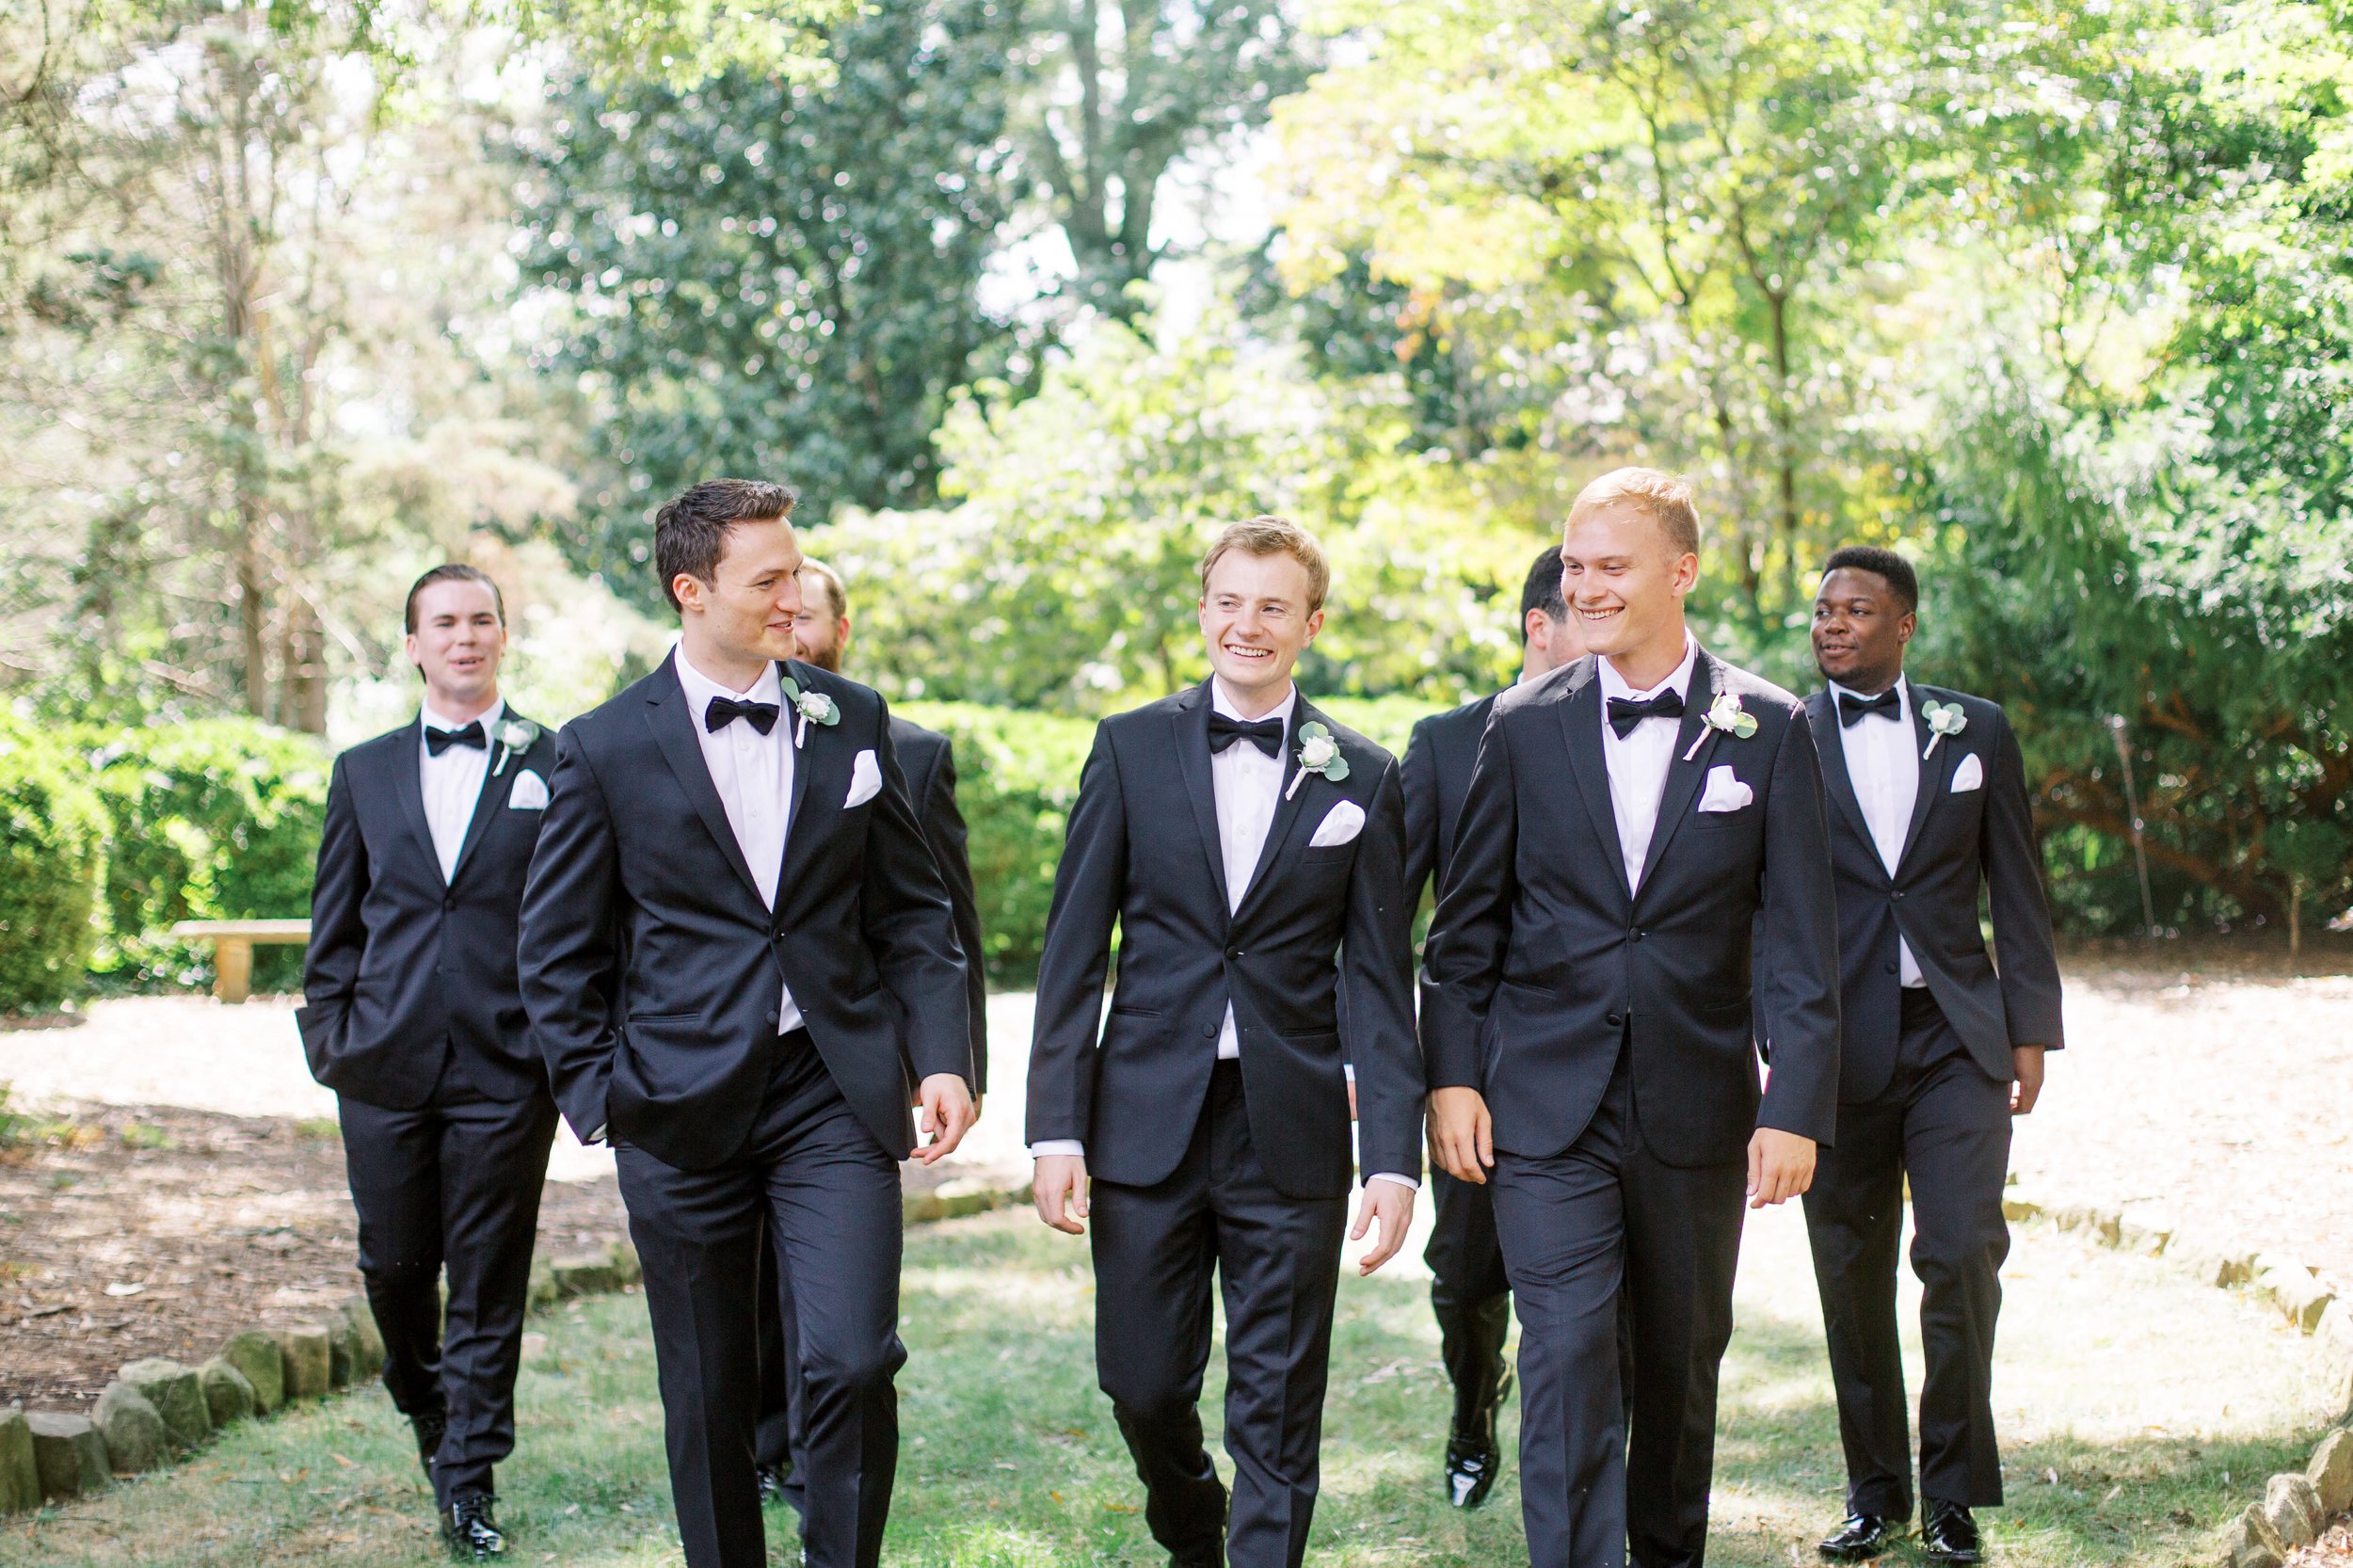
(2138, 1391)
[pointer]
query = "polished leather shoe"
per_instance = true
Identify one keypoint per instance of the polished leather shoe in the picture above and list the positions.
(471, 1530)
(1863, 1537)
(1472, 1458)
(428, 1429)
(1948, 1535)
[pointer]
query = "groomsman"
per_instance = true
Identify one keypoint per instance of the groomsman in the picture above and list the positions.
(1249, 851)
(1586, 1014)
(741, 963)
(1469, 1292)
(1928, 804)
(413, 1016)
(821, 631)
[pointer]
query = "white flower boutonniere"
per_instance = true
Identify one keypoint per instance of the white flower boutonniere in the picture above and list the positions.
(1726, 715)
(513, 735)
(1944, 718)
(1318, 753)
(812, 707)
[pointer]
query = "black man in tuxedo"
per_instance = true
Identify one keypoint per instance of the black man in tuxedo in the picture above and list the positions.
(1250, 854)
(1928, 807)
(1586, 1018)
(741, 966)
(412, 1016)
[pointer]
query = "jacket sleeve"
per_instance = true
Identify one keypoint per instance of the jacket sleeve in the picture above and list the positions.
(1798, 949)
(1418, 775)
(2022, 948)
(910, 929)
(945, 832)
(568, 957)
(1462, 958)
(1090, 884)
(339, 938)
(1377, 976)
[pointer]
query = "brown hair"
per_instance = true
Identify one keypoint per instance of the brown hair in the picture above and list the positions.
(452, 571)
(836, 596)
(1273, 535)
(1663, 497)
(690, 533)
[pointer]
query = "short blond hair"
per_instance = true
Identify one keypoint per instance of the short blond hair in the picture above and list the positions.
(1273, 535)
(1663, 497)
(836, 596)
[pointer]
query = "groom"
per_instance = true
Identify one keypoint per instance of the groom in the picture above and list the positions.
(1586, 1014)
(739, 959)
(1250, 854)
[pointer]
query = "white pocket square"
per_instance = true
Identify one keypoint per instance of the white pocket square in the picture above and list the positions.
(1339, 825)
(1725, 793)
(530, 793)
(865, 781)
(1969, 776)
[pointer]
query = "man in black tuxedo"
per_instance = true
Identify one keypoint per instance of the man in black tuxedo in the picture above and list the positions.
(1586, 1006)
(821, 633)
(1250, 853)
(1928, 804)
(741, 963)
(1469, 1292)
(413, 1016)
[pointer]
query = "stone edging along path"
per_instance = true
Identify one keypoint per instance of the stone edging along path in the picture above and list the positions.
(2294, 1507)
(157, 1411)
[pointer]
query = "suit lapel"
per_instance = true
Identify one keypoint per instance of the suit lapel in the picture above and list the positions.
(673, 729)
(1936, 769)
(1190, 723)
(408, 785)
(787, 670)
(493, 795)
(1580, 722)
(1821, 711)
(1684, 778)
(1289, 804)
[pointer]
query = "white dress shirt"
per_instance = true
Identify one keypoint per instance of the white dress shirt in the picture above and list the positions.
(451, 782)
(753, 774)
(1886, 775)
(1637, 764)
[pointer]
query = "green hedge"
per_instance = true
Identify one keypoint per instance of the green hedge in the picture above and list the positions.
(53, 843)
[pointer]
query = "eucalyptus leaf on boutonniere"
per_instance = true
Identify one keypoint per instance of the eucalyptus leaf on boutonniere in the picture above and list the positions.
(1724, 713)
(1318, 753)
(512, 735)
(1944, 718)
(812, 707)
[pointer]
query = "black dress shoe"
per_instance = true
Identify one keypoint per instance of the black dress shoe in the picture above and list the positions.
(1948, 1534)
(470, 1529)
(429, 1429)
(771, 1482)
(1473, 1459)
(1863, 1537)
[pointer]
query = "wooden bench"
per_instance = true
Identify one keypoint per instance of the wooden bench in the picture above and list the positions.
(232, 949)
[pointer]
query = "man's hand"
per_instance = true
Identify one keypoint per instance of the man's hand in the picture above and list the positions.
(1060, 1191)
(1392, 1204)
(1780, 1166)
(943, 1111)
(2026, 1066)
(1462, 1135)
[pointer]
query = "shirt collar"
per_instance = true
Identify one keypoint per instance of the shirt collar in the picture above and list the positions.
(1901, 689)
(1614, 684)
(701, 688)
(1281, 711)
(489, 718)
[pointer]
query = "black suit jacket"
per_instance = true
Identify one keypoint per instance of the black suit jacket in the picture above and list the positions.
(1437, 775)
(1539, 958)
(1144, 853)
(652, 969)
(1956, 841)
(928, 759)
(404, 967)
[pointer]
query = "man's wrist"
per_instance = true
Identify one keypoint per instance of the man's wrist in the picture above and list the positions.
(1410, 1183)
(1049, 1148)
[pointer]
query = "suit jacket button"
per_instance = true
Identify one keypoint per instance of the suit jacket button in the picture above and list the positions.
(1891, 969)
(448, 900)
(1233, 953)
(1894, 895)
(1617, 1021)
(1635, 936)
(1209, 1031)
(772, 1017)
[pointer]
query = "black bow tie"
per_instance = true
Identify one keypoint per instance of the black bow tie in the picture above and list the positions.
(1625, 713)
(724, 711)
(439, 741)
(1266, 734)
(1851, 708)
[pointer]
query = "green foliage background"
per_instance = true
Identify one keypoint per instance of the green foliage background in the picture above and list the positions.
(53, 834)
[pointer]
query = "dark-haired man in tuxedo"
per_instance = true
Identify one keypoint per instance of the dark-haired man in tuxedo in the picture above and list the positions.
(1927, 805)
(413, 1016)
(927, 757)
(1469, 1292)
(1586, 1017)
(1250, 852)
(741, 963)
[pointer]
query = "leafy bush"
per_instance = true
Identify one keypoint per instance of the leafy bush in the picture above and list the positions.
(52, 851)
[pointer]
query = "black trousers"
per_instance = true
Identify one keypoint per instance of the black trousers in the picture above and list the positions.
(1469, 1295)
(1277, 1261)
(1946, 1125)
(1604, 1227)
(777, 1437)
(454, 1184)
(811, 1173)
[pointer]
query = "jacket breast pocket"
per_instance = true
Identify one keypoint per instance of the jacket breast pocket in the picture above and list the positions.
(1328, 854)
